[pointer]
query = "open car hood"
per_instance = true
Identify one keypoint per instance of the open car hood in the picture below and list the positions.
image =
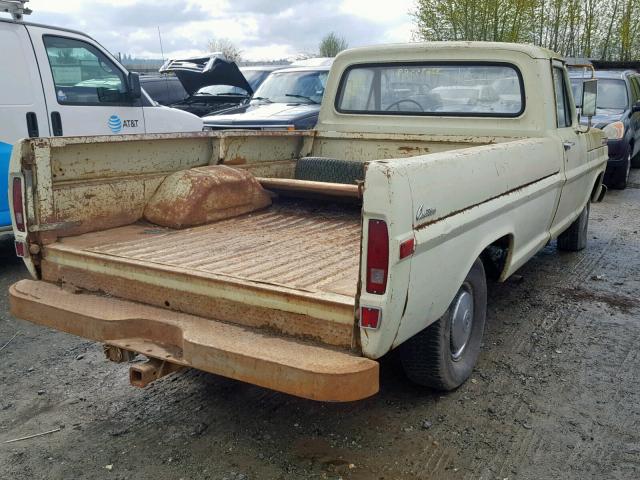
(195, 73)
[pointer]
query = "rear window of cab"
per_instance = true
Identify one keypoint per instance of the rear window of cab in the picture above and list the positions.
(435, 89)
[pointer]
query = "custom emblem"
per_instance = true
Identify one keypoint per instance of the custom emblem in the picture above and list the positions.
(423, 213)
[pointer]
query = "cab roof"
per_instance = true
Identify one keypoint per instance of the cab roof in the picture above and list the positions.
(422, 48)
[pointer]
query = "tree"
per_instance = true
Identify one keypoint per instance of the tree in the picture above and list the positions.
(331, 45)
(226, 47)
(605, 29)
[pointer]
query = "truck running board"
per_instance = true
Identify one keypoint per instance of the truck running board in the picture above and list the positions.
(277, 362)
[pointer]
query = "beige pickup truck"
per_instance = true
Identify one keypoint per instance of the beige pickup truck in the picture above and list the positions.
(295, 260)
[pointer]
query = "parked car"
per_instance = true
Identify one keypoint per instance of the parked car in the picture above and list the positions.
(618, 115)
(384, 225)
(288, 99)
(56, 82)
(164, 89)
(213, 83)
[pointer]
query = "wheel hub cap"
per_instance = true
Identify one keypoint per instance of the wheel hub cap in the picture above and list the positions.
(461, 323)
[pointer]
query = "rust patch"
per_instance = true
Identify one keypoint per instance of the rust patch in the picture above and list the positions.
(408, 149)
(237, 160)
(503, 194)
(203, 195)
(292, 366)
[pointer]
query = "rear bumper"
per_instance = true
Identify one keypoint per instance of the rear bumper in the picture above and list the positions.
(280, 363)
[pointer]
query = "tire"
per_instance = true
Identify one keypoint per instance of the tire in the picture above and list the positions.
(620, 176)
(574, 238)
(320, 169)
(433, 358)
(635, 160)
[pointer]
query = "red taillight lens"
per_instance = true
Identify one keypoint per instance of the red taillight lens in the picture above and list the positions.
(407, 248)
(20, 249)
(370, 317)
(18, 207)
(377, 257)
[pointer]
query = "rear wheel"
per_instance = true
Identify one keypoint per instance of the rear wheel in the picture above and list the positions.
(443, 355)
(574, 238)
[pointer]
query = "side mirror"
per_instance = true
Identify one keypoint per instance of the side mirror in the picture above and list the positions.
(636, 107)
(589, 97)
(135, 91)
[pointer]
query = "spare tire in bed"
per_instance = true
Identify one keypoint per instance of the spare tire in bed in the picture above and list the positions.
(331, 170)
(203, 195)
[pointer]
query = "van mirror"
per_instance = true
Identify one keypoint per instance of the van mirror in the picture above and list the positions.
(589, 97)
(135, 91)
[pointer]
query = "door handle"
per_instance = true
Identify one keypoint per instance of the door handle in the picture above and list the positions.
(56, 124)
(32, 125)
(568, 145)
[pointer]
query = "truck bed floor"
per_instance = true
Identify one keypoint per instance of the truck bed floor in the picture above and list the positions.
(293, 267)
(303, 247)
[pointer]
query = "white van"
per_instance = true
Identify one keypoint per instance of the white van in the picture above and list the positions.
(55, 82)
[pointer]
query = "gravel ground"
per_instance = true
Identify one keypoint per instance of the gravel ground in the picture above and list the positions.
(556, 394)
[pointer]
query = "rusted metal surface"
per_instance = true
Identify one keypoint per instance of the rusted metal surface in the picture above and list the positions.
(143, 374)
(368, 147)
(422, 225)
(296, 367)
(297, 245)
(275, 169)
(263, 306)
(86, 184)
(292, 268)
(305, 186)
(117, 354)
(203, 195)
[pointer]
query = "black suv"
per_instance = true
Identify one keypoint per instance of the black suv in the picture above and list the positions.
(618, 115)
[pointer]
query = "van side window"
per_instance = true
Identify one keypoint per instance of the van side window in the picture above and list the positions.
(83, 75)
(562, 99)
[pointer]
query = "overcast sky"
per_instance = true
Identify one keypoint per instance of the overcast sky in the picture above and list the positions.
(262, 29)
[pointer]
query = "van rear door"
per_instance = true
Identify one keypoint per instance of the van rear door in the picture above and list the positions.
(85, 87)
(23, 112)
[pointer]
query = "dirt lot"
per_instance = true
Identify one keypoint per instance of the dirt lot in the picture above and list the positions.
(556, 394)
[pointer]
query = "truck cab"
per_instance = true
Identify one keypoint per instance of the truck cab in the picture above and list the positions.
(60, 82)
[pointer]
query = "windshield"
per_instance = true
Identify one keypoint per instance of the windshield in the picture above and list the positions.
(612, 94)
(293, 87)
(254, 77)
(432, 89)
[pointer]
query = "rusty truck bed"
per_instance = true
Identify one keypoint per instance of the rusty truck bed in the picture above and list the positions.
(293, 267)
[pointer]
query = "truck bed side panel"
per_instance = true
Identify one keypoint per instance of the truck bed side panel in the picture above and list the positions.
(85, 184)
(507, 189)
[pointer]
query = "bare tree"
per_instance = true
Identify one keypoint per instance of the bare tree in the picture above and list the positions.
(226, 47)
(331, 45)
(607, 29)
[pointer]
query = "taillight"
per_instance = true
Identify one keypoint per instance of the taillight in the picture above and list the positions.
(407, 248)
(377, 257)
(18, 207)
(21, 249)
(370, 317)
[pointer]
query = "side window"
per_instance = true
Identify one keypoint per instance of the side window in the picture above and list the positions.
(635, 89)
(562, 99)
(83, 75)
